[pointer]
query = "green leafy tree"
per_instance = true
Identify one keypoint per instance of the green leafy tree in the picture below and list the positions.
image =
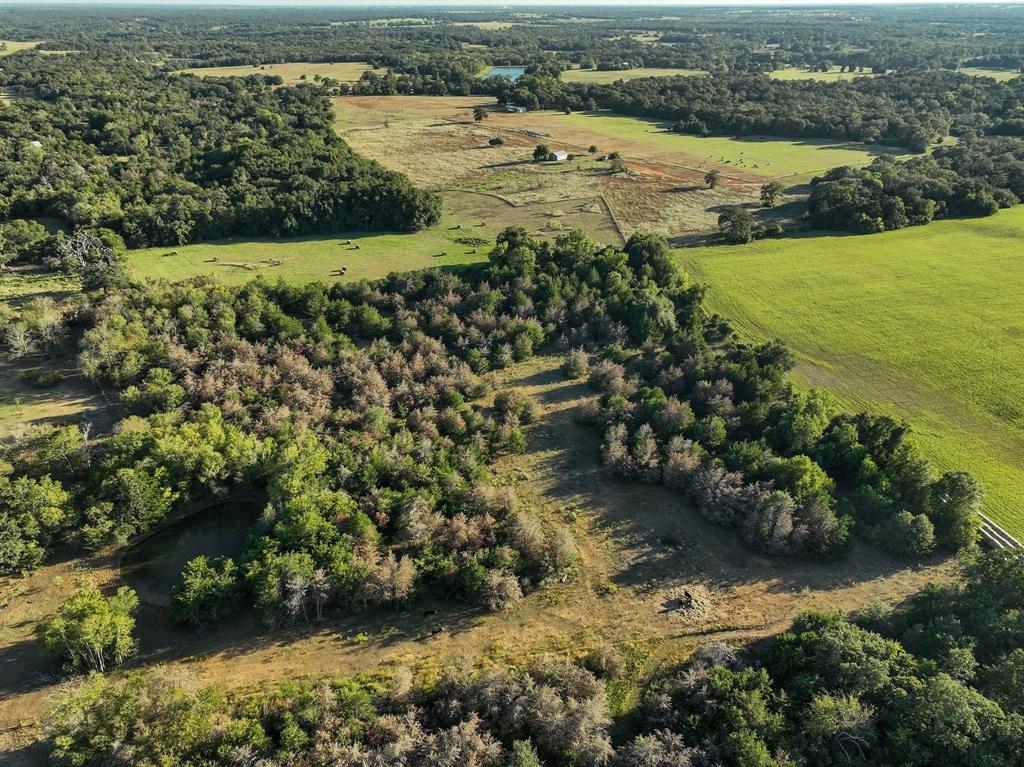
(771, 193)
(17, 239)
(130, 502)
(522, 754)
(736, 224)
(712, 178)
(953, 507)
(32, 513)
(210, 589)
(541, 152)
(154, 720)
(907, 535)
(650, 256)
(91, 631)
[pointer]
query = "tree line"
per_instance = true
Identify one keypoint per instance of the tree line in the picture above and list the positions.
(976, 177)
(912, 109)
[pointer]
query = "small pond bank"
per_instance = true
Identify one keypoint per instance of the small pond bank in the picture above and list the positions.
(153, 565)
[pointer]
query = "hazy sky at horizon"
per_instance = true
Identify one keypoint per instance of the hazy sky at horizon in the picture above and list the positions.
(495, 3)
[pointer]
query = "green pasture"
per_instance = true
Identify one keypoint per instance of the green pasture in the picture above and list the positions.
(831, 76)
(304, 259)
(598, 76)
(925, 323)
(7, 47)
(1002, 75)
(760, 155)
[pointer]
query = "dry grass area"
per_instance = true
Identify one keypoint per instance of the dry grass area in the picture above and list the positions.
(492, 25)
(638, 548)
(438, 144)
(293, 72)
(71, 399)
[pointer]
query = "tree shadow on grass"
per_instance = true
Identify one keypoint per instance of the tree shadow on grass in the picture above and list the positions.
(422, 620)
(667, 542)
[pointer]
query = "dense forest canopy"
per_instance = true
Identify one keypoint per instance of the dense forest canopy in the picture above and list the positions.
(163, 159)
(887, 38)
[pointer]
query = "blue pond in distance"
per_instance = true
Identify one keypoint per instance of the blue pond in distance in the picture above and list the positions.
(512, 73)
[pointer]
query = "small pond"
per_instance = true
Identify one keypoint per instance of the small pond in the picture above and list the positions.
(154, 564)
(512, 73)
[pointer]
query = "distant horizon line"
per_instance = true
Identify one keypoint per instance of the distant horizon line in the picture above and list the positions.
(502, 4)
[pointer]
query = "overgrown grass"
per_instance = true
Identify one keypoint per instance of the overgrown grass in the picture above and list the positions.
(926, 324)
(597, 76)
(761, 155)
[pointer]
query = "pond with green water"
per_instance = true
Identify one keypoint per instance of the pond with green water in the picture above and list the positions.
(154, 564)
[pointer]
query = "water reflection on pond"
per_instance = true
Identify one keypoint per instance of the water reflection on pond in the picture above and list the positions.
(512, 73)
(154, 565)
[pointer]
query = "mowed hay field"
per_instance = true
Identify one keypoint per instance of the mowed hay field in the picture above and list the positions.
(292, 73)
(767, 156)
(926, 324)
(599, 76)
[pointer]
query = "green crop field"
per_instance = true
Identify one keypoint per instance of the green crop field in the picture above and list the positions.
(761, 155)
(291, 73)
(924, 323)
(597, 76)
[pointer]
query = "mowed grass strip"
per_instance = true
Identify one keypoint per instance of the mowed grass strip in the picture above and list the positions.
(925, 323)
(293, 72)
(600, 76)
